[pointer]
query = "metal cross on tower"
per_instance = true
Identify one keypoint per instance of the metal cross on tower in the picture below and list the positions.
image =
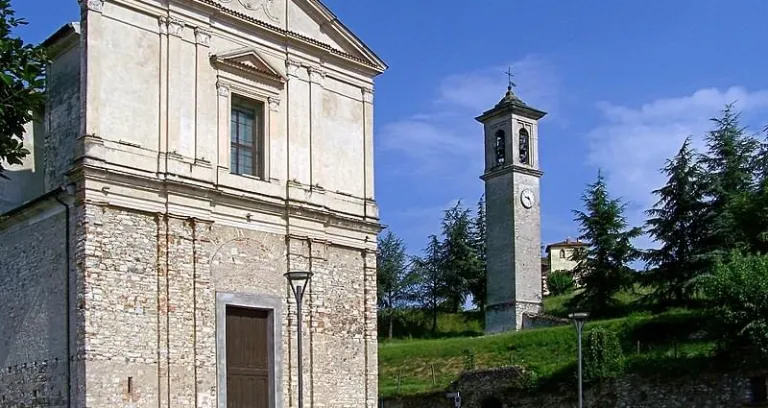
(510, 75)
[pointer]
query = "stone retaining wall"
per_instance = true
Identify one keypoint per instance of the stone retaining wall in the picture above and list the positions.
(709, 390)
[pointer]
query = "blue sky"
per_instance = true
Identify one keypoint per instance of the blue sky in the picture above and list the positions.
(624, 83)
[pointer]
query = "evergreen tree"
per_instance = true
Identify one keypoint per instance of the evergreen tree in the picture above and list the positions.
(730, 168)
(477, 286)
(675, 223)
(460, 264)
(22, 83)
(432, 286)
(394, 278)
(757, 204)
(603, 265)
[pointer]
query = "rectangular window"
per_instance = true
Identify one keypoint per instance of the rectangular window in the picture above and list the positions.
(247, 359)
(247, 137)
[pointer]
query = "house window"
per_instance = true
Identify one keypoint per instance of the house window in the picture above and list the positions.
(562, 254)
(525, 145)
(247, 359)
(247, 137)
(500, 147)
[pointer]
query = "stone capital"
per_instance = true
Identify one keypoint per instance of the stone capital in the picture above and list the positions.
(175, 26)
(316, 76)
(96, 6)
(292, 68)
(203, 37)
(274, 103)
(367, 94)
(223, 89)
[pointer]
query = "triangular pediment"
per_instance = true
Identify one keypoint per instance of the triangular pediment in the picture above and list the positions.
(250, 61)
(309, 21)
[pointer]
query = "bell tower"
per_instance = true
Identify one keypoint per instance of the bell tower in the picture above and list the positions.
(513, 212)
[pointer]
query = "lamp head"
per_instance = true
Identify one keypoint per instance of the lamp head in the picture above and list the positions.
(579, 316)
(298, 281)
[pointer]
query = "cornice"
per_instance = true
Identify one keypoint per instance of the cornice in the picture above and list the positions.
(291, 34)
(514, 168)
(265, 204)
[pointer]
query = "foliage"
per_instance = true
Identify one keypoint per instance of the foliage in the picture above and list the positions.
(416, 323)
(469, 359)
(395, 280)
(676, 224)
(433, 287)
(477, 286)
(560, 282)
(603, 357)
(738, 290)
(550, 353)
(730, 167)
(603, 265)
(460, 265)
(22, 83)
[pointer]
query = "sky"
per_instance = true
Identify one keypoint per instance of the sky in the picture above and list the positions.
(623, 82)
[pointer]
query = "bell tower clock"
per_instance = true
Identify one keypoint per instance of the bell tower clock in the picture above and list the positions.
(513, 212)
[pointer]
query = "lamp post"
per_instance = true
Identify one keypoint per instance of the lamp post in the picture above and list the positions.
(299, 281)
(578, 320)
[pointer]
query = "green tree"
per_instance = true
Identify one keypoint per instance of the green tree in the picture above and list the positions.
(22, 83)
(459, 259)
(675, 223)
(395, 280)
(477, 286)
(603, 357)
(602, 266)
(560, 282)
(432, 287)
(757, 204)
(730, 168)
(738, 289)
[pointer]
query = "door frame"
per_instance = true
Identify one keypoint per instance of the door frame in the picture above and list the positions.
(274, 306)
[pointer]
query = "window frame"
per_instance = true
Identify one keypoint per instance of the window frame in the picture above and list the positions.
(523, 133)
(258, 135)
(500, 149)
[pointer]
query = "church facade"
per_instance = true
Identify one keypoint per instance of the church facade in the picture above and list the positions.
(192, 152)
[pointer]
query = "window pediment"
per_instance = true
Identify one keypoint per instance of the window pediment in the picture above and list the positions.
(247, 62)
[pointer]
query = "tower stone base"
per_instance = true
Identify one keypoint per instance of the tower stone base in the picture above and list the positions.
(508, 316)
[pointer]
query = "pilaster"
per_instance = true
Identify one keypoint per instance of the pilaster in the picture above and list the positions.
(90, 78)
(223, 93)
(316, 77)
(298, 124)
(370, 336)
(205, 143)
(163, 108)
(175, 86)
(367, 97)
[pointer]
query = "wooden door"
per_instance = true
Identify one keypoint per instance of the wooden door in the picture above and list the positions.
(247, 358)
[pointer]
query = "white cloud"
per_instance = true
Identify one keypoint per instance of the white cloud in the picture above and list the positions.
(632, 143)
(432, 143)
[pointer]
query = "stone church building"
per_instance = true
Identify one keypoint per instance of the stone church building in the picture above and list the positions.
(191, 153)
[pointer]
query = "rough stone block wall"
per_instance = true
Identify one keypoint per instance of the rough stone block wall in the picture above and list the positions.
(33, 337)
(713, 390)
(151, 286)
(63, 111)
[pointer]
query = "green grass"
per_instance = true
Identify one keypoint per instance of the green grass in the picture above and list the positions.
(626, 302)
(664, 342)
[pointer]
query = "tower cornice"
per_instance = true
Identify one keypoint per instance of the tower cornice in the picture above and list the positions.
(515, 107)
(511, 168)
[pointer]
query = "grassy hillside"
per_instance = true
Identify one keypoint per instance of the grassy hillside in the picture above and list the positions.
(652, 344)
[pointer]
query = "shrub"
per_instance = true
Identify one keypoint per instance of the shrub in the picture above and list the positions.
(560, 283)
(603, 357)
(738, 289)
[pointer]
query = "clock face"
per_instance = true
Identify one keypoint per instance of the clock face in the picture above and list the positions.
(527, 198)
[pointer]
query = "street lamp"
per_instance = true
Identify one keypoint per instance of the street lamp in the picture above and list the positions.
(299, 281)
(578, 320)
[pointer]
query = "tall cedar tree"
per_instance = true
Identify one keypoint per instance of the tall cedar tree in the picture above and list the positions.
(603, 265)
(730, 167)
(478, 286)
(22, 83)
(757, 205)
(394, 277)
(460, 264)
(432, 286)
(675, 223)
